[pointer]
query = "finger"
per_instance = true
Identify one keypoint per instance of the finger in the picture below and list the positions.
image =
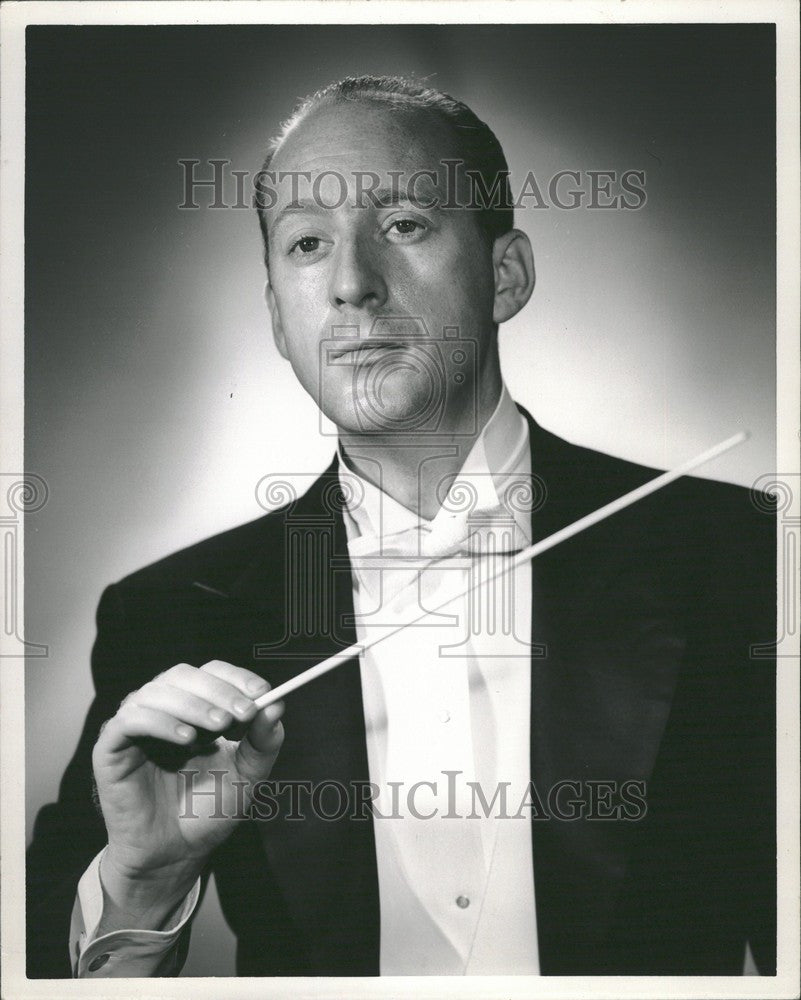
(213, 689)
(259, 747)
(183, 705)
(134, 722)
(246, 681)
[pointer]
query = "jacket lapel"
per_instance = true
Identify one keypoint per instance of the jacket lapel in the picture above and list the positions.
(601, 693)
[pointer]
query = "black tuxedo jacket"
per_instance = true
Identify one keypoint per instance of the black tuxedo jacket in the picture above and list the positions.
(643, 669)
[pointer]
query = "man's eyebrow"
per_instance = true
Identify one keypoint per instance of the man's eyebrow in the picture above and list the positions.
(392, 197)
(298, 205)
(386, 197)
(366, 197)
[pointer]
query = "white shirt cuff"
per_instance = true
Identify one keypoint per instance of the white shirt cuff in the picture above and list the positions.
(134, 953)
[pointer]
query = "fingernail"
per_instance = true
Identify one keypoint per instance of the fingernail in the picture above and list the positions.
(242, 707)
(217, 715)
(183, 732)
(257, 684)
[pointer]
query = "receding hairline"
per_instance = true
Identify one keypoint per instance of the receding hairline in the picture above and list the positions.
(396, 115)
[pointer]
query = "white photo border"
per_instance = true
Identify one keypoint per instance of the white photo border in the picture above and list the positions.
(14, 17)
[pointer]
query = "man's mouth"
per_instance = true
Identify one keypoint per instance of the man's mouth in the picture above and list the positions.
(364, 347)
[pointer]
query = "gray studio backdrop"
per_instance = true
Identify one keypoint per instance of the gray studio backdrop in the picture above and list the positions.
(155, 399)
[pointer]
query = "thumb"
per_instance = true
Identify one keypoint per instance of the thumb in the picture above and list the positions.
(258, 748)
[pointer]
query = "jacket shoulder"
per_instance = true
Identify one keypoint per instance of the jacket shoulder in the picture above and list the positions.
(579, 473)
(222, 557)
(219, 558)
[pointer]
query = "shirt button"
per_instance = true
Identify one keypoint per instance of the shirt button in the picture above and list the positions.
(98, 962)
(444, 715)
(462, 902)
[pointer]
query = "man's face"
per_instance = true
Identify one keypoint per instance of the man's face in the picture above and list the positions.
(346, 273)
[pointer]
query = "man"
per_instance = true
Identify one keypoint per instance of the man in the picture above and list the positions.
(617, 706)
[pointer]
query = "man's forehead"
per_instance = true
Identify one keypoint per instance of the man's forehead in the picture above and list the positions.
(357, 155)
(361, 137)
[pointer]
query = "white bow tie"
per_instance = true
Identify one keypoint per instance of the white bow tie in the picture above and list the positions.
(479, 533)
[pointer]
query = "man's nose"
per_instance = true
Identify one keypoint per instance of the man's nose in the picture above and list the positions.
(356, 278)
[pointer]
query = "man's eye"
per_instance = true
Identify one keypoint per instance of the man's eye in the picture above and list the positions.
(406, 227)
(306, 244)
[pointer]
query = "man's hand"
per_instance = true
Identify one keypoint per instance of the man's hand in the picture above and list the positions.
(158, 841)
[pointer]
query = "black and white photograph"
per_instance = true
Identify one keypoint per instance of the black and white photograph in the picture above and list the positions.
(400, 499)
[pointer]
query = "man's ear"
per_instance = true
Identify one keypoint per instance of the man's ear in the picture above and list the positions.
(513, 264)
(278, 330)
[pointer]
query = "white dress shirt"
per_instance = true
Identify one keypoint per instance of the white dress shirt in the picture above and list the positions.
(446, 704)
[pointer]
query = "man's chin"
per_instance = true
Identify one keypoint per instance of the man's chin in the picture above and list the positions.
(395, 415)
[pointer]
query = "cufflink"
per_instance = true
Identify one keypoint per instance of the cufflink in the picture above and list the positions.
(98, 962)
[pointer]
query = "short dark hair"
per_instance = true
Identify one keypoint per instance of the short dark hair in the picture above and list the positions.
(475, 142)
